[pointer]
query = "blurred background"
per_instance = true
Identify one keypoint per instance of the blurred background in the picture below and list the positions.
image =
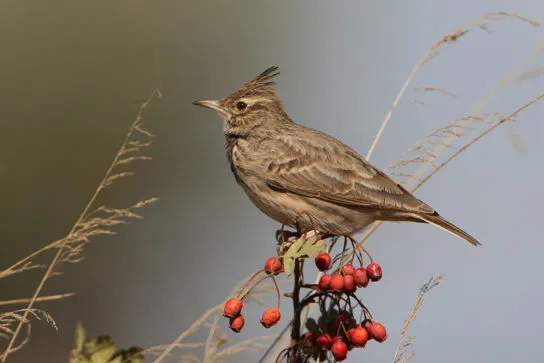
(74, 73)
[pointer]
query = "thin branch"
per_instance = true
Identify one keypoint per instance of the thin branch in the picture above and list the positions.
(297, 308)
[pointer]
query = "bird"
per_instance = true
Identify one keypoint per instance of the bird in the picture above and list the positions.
(305, 178)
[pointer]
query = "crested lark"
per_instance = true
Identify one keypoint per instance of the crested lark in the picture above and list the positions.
(298, 175)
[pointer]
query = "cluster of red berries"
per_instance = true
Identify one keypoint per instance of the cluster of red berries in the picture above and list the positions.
(336, 330)
(233, 307)
(342, 334)
(349, 278)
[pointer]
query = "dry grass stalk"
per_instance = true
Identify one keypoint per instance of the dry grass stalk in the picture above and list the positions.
(481, 135)
(401, 354)
(441, 165)
(435, 51)
(39, 299)
(91, 222)
(215, 347)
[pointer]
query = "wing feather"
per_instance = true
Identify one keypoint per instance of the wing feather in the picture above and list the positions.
(333, 172)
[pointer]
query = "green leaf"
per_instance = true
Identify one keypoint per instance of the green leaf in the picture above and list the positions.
(302, 248)
(288, 266)
(130, 355)
(312, 326)
(100, 349)
(80, 336)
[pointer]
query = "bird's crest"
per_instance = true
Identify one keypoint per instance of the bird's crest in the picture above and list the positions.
(260, 86)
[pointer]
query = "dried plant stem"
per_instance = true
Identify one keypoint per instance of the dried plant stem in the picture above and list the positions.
(41, 298)
(419, 64)
(275, 342)
(466, 146)
(404, 341)
(376, 225)
(80, 219)
(187, 332)
(31, 304)
(13, 268)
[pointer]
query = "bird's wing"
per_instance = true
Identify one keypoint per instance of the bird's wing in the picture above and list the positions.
(320, 166)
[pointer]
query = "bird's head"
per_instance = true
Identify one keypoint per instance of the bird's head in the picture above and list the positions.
(252, 105)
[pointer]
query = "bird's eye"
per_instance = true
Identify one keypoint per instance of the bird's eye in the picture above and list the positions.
(241, 105)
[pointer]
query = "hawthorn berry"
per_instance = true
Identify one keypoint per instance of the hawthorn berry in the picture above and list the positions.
(348, 269)
(237, 323)
(270, 317)
(232, 308)
(367, 323)
(323, 342)
(358, 336)
(377, 332)
(361, 277)
(374, 271)
(307, 341)
(339, 350)
(349, 284)
(323, 261)
(273, 266)
(325, 282)
(337, 282)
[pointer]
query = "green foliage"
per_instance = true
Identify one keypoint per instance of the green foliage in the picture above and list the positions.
(101, 350)
(301, 248)
(312, 326)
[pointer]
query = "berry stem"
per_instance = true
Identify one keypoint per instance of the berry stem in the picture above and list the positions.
(277, 290)
(342, 257)
(360, 246)
(356, 252)
(242, 295)
(363, 307)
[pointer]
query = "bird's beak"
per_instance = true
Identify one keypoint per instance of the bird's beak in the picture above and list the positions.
(212, 104)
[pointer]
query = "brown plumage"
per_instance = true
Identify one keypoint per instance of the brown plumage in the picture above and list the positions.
(292, 172)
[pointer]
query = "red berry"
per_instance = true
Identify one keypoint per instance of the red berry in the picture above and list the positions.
(325, 282)
(349, 284)
(348, 269)
(232, 308)
(323, 261)
(358, 336)
(323, 342)
(337, 282)
(378, 332)
(270, 317)
(367, 323)
(374, 271)
(339, 350)
(307, 341)
(237, 323)
(273, 266)
(361, 277)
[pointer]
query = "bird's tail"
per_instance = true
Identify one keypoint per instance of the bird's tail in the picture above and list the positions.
(438, 221)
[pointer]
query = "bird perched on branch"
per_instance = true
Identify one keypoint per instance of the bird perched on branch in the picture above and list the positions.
(300, 176)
